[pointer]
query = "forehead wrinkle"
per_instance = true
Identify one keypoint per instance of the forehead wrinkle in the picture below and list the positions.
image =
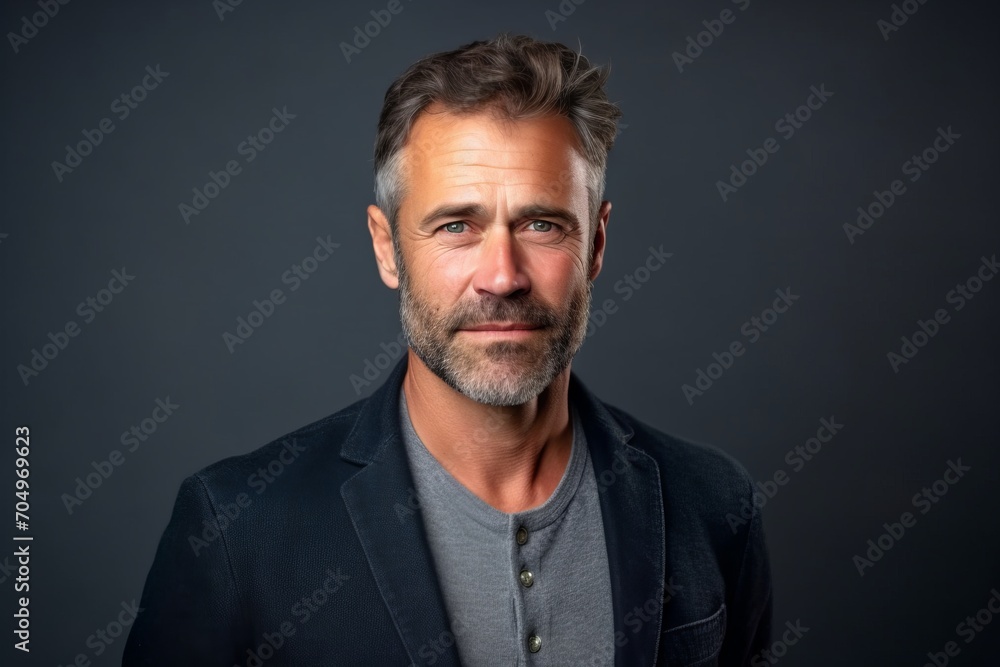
(552, 168)
(483, 151)
(454, 176)
(541, 170)
(500, 159)
(460, 179)
(441, 150)
(490, 188)
(448, 169)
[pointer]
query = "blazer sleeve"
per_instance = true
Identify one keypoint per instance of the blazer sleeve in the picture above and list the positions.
(750, 605)
(191, 610)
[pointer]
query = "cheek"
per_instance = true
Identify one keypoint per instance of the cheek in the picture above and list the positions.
(443, 258)
(558, 274)
(437, 283)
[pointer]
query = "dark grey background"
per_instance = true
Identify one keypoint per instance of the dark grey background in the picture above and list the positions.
(162, 336)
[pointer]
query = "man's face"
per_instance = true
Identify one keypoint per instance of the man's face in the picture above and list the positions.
(493, 235)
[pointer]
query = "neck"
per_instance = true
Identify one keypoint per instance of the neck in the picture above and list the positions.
(510, 457)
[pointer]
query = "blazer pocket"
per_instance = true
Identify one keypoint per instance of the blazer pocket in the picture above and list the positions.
(696, 644)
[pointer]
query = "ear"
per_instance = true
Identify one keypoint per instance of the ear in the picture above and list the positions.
(378, 225)
(600, 236)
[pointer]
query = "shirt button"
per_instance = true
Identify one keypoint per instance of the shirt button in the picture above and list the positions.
(522, 535)
(527, 578)
(534, 643)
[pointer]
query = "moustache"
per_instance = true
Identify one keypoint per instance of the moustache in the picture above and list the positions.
(530, 313)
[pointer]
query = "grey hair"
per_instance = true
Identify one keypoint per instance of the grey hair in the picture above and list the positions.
(513, 76)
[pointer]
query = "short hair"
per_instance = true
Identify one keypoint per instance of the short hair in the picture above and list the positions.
(513, 76)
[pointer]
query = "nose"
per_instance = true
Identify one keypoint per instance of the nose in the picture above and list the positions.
(500, 268)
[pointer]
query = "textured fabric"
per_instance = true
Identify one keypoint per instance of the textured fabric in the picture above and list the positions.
(308, 551)
(479, 561)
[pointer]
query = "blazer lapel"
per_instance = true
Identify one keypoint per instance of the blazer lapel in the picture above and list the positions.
(632, 509)
(391, 534)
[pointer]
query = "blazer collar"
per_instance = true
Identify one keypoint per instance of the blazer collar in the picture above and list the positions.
(379, 500)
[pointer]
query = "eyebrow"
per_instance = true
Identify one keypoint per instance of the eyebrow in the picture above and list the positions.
(474, 210)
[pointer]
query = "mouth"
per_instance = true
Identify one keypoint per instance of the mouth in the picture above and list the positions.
(501, 326)
(501, 330)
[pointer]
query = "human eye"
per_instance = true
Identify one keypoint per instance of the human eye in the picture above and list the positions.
(545, 226)
(450, 227)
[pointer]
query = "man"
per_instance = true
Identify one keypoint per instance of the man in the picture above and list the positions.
(482, 507)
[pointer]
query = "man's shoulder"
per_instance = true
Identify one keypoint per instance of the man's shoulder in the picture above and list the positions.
(705, 490)
(686, 464)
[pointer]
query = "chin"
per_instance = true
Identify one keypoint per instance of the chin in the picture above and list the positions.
(513, 388)
(500, 399)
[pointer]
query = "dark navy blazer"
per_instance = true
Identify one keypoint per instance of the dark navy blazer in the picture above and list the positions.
(310, 551)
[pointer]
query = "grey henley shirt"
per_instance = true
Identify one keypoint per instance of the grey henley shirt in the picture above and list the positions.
(528, 588)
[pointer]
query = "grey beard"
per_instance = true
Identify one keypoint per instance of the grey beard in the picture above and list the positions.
(433, 341)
